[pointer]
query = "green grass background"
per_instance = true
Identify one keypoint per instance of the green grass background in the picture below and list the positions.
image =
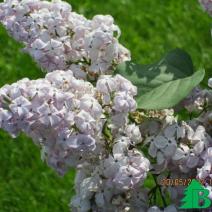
(149, 29)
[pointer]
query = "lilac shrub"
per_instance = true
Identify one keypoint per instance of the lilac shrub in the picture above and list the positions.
(84, 115)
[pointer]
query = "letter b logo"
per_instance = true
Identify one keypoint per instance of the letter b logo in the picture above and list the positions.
(196, 196)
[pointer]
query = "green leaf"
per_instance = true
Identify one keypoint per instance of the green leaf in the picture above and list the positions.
(164, 83)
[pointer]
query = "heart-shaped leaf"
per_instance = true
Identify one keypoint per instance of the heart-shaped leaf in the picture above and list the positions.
(164, 83)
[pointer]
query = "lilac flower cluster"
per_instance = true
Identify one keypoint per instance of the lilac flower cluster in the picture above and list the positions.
(114, 183)
(181, 149)
(59, 39)
(66, 117)
(83, 117)
(59, 112)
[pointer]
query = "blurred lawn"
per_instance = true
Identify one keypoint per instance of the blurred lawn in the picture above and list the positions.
(150, 28)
